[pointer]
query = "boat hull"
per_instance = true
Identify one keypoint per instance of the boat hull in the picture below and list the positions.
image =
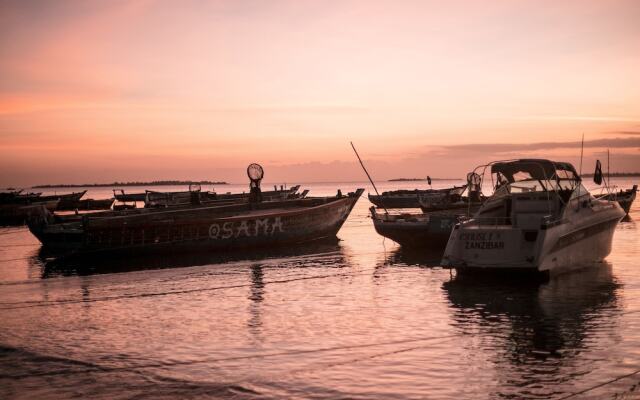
(556, 249)
(415, 231)
(395, 202)
(204, 228)
(18, 214)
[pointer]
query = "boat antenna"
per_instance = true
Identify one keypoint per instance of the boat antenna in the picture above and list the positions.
(581, 154)
(608, 171)
(367, 172)
(580, 171)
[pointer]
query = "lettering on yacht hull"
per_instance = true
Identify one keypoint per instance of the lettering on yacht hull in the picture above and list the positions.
(482, 240)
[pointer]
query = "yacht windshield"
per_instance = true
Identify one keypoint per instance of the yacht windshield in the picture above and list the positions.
(533, 175)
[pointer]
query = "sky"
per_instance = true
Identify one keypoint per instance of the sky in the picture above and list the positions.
(102, 91)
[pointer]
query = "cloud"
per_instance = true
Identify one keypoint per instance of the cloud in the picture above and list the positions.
(628, 133)
(501, 148)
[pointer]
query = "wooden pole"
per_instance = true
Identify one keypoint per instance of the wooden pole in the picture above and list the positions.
(367, 172)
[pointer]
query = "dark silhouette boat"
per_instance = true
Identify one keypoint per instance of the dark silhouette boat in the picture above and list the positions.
(408, 198)
(67, 201)
(87, 205)
(169, 199)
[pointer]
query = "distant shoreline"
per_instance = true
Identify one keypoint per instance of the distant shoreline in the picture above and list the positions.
(152, 183)
(616, 174)
(418, 179)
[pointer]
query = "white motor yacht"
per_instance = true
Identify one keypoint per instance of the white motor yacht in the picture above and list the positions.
(540, 218)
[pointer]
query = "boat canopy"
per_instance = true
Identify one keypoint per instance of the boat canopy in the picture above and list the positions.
(533, 169)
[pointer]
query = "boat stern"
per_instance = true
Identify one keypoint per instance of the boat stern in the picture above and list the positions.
(483, 248)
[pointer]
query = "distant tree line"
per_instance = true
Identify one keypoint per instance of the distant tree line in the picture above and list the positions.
(417, 179)
(616, 174)
(151, 183)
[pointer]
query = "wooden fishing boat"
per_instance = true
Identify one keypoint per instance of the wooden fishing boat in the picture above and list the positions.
(86, 205)
(67, 201)
(624, 197)
(424, 230)
(128, 197)
(194, 227)
(19, 213)
(170, 199)
(408, 198)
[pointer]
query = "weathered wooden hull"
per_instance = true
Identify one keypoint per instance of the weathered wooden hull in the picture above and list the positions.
(395, 202)
(416, 231)
(66, 200)
(407, 198)
(169, 199)
(202, 228)
(129, 197)
(86, 204)
(17, 214)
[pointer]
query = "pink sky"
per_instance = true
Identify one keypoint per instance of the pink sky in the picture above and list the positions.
(97, 91)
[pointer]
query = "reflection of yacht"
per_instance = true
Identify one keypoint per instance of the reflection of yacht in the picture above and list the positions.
(532, 332)
(540, 218)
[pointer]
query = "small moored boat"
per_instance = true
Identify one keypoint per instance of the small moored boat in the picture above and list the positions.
(409, 198)
(420, 230)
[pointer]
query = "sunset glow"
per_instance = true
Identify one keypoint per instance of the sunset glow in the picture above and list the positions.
(140, 90)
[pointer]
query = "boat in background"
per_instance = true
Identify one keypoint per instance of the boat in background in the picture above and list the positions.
(195, 196)
(87, 205)
(18, 213)
(453, 198)
(128, 197)
(624, 197)
(67, 201)
(408, 198)
(418, 230)
(440, 212)
(539, 219)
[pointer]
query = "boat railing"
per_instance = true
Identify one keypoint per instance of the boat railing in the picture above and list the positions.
(489, 221)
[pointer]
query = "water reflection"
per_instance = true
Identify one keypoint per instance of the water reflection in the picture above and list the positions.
(414, 256)
(536, 331)
(51, 265)
(256, 296)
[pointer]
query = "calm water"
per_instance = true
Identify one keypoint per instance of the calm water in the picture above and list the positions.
(356, 319)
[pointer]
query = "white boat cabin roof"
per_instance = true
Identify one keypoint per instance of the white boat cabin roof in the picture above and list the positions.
(533, 169)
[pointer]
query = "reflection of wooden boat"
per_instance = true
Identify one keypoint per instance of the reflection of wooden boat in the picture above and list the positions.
(18, 213)
(424, 230)
(197, 227)
(86, 204)
(624, 197)
(408, 198)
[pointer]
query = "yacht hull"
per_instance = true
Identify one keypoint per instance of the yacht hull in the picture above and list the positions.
(553, 249)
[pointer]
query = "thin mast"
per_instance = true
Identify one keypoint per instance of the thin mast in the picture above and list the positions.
(580, 173)
(366, 172)
(608, 172)
(581, 153)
